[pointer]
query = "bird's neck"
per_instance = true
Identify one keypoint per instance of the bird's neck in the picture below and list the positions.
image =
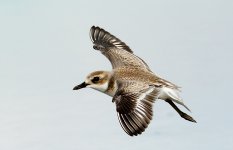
(112, 87)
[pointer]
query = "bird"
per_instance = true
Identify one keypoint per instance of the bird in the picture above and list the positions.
(132, 85)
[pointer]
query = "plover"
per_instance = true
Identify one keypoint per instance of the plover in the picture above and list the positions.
(131, 83)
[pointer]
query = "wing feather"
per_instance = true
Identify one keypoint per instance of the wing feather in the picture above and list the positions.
(118, 53)
(134, 106)
(103, 40)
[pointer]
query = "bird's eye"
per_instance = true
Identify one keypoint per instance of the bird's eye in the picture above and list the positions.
(95, 79)
(96, 47)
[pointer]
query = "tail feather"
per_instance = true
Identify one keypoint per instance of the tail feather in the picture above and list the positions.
(172, 94)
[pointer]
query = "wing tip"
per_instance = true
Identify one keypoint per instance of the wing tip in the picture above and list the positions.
(103, 38)
(130, 125)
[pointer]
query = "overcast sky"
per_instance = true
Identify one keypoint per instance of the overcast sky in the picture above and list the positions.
(45, 51)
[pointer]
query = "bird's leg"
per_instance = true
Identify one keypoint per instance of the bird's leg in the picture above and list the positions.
(182, 114)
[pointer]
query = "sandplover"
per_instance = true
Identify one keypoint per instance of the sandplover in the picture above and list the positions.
(131, 83)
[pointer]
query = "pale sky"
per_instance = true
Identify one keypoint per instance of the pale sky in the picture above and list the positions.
(45, 51)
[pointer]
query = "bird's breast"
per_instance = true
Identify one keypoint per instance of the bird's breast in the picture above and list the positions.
(112, 87)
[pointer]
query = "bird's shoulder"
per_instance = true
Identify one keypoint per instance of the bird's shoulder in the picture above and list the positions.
(141, 75)
(134, 74)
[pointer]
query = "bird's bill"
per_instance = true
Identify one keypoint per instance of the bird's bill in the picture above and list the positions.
(80, 86)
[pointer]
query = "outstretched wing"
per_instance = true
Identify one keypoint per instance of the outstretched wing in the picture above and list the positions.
(134, 102)
(115, 50)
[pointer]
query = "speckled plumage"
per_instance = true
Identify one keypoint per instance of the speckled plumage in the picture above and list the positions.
(131, 83)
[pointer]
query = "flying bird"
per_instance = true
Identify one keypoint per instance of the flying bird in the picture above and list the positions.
(131, 83)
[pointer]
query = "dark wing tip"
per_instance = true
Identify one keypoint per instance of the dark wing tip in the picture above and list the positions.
(133, 123)
(135, 114)
(103, 39)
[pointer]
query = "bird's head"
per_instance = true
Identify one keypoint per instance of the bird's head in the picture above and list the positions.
(97, 80)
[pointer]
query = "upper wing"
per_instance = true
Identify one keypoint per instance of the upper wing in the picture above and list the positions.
(134, 106)
(114, 49)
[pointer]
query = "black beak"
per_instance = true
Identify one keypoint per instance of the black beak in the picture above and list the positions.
(80, 86)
